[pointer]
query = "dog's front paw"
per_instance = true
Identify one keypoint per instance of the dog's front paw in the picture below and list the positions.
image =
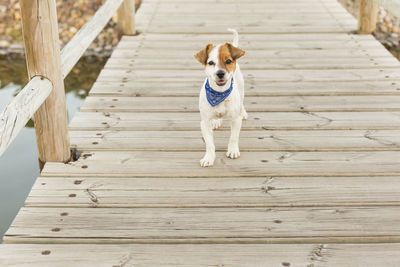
(233, 151)
(216, 123)
(208, 160)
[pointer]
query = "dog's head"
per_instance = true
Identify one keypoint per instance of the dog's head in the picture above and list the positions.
(219, 62)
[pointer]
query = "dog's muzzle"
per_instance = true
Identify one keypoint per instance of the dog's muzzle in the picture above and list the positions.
(220, 81)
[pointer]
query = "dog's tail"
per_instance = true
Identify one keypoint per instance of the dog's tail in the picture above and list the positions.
(235, 36)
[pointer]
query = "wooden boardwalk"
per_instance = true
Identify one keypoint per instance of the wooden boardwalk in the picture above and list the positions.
(318, 180)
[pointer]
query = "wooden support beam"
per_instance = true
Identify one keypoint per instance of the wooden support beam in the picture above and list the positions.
(367, 16)
(126, 17)
(40, 30)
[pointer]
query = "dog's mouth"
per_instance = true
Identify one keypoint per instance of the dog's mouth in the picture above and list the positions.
(220, 82)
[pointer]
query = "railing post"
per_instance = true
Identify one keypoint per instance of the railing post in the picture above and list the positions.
(42, 49)
(367, 16)
(126, 17)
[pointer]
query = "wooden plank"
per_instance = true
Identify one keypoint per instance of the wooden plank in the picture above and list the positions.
(256, 121)
(250, 76)
(250, 24)
(258, 20)
(293, 37)
(40, 255)
(329, 2)
(256, 55)
(232, 9)
(186, 164)
(277, 64)
(194, 6)
(253, 30)
(21, 109)
(253, 88)
(337, 140)
(189, 43)
(214, 192)
(252, 104)
(250, 11)
(251, 1)
(205, 225)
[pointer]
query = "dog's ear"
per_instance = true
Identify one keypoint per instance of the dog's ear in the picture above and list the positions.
(202, 55)
(235, 51)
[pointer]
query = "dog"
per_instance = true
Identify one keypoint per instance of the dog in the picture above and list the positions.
(222, 95)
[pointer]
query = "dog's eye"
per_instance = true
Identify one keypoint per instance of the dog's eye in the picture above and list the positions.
(211, 63)
(228, 61)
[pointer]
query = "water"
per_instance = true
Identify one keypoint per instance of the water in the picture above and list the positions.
(19, 164)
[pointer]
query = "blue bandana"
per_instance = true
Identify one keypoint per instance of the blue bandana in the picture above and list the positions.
(215, 97)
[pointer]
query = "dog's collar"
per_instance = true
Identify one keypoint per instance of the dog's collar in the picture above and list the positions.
(215, 97)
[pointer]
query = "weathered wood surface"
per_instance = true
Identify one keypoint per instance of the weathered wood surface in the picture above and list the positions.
(21, 109)
(126, 17)
(252, 104)
(266, 140)
(256, 54)
(215, 192)
(282, 163)
(206, 225)
(314, 88)
(42, 51)
(189, 121)
(238, 255)
(75, 48)
(367, 16)
(320, 151)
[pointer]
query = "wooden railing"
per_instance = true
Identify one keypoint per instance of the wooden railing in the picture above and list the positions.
(44, 97)
(368, 13)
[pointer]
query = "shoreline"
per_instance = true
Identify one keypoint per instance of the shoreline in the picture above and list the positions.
(72, 16)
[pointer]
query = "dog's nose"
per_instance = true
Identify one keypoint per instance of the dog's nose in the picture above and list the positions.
(220, 74)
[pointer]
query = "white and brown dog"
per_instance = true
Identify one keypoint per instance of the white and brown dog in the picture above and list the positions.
(222, 95)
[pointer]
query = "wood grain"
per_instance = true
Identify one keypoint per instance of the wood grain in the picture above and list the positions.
(42, 52)
(21, 109)
(215, 192)
(316, 140)
(205, 225)
(253, 88)
(186, 164)
(126, 17)
(257, 121)
(39, 255)
(367, 16)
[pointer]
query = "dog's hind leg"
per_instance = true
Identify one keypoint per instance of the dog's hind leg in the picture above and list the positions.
(240, 85)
